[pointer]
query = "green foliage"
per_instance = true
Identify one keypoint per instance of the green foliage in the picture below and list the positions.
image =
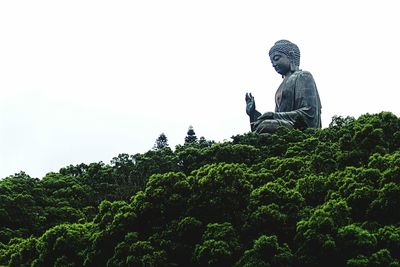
(304, 197)
(387, 202)
(63, 245)
(316, 236)
(220, 193)
(219, 246)
(134, 252)
(354, 240)
(389, 237)
(267, 252)
(19, 252)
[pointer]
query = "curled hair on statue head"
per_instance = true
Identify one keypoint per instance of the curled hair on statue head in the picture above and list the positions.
(288, 48)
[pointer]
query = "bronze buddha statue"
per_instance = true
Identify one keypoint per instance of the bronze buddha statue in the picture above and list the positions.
(296, 101)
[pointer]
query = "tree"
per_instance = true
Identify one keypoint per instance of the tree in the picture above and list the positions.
(219, 247)
(293, 198)
(191, 136)
(267, 252)
(161, 142)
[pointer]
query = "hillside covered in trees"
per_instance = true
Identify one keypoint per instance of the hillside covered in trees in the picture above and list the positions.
(312, 198)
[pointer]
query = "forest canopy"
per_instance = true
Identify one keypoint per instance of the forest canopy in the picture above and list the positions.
(314, 197)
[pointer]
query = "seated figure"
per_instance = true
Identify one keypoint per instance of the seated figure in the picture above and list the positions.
(297, 102)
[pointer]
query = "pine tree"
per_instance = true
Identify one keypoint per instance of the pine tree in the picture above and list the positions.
(191, 136)
(161, 142)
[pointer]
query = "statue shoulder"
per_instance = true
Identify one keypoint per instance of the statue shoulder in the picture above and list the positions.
(303, 74)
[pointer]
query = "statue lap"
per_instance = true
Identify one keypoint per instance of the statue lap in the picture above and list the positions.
(271, 126)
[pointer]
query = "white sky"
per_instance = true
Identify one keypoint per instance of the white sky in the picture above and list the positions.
(82, 81)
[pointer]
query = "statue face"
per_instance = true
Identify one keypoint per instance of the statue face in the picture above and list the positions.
(280, 62)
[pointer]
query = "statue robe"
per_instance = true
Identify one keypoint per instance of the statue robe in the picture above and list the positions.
(296, 99)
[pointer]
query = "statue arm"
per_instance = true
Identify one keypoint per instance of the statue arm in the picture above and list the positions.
(287, 116)
(253, 119)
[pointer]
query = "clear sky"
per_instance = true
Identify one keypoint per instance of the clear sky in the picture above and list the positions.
(82, 81)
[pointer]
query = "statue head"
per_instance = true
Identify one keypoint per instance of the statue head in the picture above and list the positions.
(288, 49)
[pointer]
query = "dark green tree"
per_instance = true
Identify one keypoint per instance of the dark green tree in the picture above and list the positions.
(311, 197)
(191, 136)
(161, 142)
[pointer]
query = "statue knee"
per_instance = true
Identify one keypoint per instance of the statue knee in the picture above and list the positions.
(271, 126)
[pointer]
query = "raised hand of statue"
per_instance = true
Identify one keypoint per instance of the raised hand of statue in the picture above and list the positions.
(250, 104)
